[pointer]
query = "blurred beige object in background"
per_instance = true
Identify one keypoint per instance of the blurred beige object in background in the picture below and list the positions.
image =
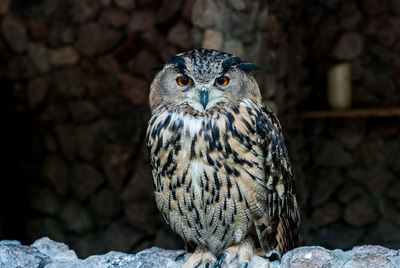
(339, 86)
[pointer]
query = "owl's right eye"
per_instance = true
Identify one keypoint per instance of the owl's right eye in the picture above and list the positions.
(184, 80)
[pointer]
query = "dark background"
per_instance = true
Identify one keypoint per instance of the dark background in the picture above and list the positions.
(75, 78)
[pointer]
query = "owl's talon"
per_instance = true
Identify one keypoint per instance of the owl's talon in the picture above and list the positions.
(221, 259)
(180, 256)
(246, 264)
(274, 256)
(207, 265)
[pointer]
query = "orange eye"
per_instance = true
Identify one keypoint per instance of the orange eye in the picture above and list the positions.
(183, 81)
(222, 80)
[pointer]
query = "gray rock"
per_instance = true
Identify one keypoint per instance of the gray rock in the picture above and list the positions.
(58, 251)
(49, 254)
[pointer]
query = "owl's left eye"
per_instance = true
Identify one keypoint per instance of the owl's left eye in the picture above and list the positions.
(222, 80)
(184, 80)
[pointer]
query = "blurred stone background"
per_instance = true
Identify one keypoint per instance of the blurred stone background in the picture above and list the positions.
(75, 78)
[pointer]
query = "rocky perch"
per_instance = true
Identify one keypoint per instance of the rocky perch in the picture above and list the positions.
(46, 253)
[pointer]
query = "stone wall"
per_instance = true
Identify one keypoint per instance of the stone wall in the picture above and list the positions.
(75, 77)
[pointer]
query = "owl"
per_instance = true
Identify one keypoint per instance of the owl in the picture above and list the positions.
(221, 172)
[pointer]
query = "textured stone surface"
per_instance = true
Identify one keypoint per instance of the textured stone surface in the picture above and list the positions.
(49, 254)
(94, 39)
(349, 46)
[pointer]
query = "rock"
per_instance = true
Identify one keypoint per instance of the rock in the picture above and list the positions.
(168, 11)
(105, 204)
(68, 142)
(180, 35)
(140, 187)
(349, 192)
(116, 161)
(50, 254)
(125, 4)
(337, 235)
(326, 214)
(37, 91)
(238, 4)
(40, 56)
(63, 56)
(212, 39)
(88, 140)
(360, 212)
(15, 256)
(374, 179)
(394, 6)
(84, 10)
(94, 39)
(368, 260)
(101, 85)
(349, 15)
(38, 29)
(21, 67)
(44, 200)
(349, 46)
(134, 89)
(15, 32)
(390, 210)
(143, 63)
(394, 190)
(312, 257)
(327, 183)
(75, 218)
(167, 239)
(84, 111)
(235, 47)
(370, 154)
(384, 29)
(350, 132)
(331, 153)
(120, 238)
(55, 170)
(70, 82)
(262, 20)
(85, 179)
(141, 215)
(4, 5)
(142, 21)
(114, 17)
(105, 3)
(57, 251)
(374, 7)
(203, 14)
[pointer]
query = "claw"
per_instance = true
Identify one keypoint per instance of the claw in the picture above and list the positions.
(246, 264)
(180, 256)
(274, 256)
(207, 265)
(220, 260)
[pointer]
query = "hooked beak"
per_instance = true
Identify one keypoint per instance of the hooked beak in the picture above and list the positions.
(204, 97)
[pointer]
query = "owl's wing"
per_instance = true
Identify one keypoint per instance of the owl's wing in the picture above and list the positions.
(278, 228)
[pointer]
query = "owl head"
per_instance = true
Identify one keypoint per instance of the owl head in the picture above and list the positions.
(202, 79)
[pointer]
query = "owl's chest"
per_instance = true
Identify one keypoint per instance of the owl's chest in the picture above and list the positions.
(208, 177)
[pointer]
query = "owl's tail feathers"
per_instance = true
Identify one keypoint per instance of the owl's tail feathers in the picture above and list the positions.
(287, 236)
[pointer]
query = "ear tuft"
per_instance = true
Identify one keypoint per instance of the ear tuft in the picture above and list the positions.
(248, 66)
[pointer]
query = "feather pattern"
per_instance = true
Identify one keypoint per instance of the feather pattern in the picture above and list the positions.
(223, 174)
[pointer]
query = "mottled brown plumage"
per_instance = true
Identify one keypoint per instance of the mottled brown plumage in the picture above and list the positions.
(221, 171)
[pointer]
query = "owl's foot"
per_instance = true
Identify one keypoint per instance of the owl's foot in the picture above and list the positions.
(274, 255)
(243, 251)
(202, 256)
